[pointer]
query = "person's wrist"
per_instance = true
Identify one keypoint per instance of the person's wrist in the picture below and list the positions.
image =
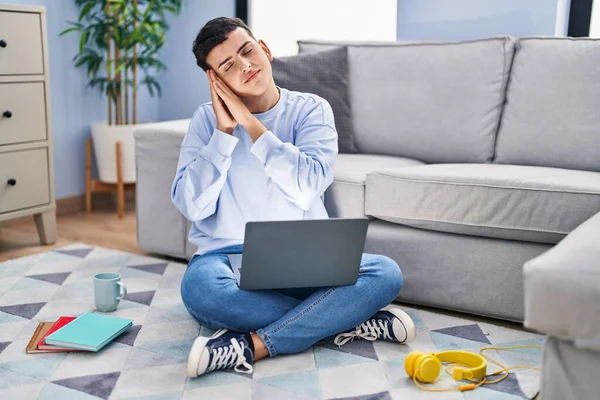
(227, 129)
(247, 120)
(255, 128)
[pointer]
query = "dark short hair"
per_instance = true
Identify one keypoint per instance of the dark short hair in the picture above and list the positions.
(213, 33)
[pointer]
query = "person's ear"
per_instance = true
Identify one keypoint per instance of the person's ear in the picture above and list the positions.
(266, 49)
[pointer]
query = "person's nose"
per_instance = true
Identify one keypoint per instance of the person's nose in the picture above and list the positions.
(246, 66)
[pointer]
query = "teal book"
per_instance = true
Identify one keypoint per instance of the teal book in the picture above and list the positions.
(89, 332)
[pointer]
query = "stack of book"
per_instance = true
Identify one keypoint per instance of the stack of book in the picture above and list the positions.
(88, 332)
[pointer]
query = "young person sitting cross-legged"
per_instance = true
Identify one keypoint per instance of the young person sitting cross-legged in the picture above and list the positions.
(261, 152)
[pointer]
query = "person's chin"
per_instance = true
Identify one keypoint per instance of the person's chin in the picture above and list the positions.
(252, 90)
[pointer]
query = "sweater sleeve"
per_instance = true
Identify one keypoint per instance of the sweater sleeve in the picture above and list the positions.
(204, 161)
(303, 170)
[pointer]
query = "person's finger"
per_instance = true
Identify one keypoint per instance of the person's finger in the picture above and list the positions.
(218, 79)
(215, 81)
(218, 91)
(214, 96)
(210, 83)
(221, 92)
(211, 88)
(221, 82)
(225, 102)
(226, 91)
(214, 76)
(229, 113)
(215, 91)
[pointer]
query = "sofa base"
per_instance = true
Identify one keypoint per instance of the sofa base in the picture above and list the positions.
(569, 373)
(470, 274)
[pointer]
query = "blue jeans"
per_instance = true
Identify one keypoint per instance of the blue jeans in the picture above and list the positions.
(287, 320)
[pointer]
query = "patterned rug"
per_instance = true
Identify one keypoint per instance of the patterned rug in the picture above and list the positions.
(148, 361)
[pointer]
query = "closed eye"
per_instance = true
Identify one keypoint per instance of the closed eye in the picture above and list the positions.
(231, 64)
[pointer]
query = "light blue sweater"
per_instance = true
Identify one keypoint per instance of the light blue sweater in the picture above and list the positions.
(224, 181)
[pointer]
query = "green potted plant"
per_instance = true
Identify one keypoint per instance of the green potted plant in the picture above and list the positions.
(119, 41)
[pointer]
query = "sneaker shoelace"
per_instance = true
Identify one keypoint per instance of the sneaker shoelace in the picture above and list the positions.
(230, 356)
(370, 330)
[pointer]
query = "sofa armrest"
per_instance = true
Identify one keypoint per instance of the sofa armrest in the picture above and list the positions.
(161, 228)
(562, 287)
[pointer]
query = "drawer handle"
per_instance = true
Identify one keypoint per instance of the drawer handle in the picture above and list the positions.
(12, 182)
(7, 114)
(2, 43)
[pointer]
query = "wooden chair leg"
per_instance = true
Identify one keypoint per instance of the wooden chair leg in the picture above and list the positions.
(88, 175)
(120, 184)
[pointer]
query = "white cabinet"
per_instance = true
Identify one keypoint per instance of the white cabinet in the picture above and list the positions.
(26, 158)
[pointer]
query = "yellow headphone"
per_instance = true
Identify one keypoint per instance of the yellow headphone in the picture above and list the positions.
(426, 367)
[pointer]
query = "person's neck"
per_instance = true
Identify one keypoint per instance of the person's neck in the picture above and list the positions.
(264, 102)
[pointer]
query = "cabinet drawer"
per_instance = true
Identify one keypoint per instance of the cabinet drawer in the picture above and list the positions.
(25, 104)
(23, 179)
(22, 35)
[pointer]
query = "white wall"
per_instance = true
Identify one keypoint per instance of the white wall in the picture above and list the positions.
(472, 19)
(595, 21)
(281, 23)
(563, 8)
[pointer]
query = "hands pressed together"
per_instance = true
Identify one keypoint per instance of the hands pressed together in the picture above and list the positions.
(230, 110)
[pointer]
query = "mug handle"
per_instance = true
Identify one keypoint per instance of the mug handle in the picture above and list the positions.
(123, 290)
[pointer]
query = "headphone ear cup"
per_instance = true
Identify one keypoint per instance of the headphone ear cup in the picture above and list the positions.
(409, 362)
(427, 368)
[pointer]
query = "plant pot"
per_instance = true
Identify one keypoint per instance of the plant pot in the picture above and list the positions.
(105, 138)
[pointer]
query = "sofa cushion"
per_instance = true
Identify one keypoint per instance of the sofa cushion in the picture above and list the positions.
(537, 204)
(325, 74)
(345, 197)
(562, 288)
(408, 98)
(551, 115)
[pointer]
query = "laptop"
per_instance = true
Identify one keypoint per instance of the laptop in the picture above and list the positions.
(300, 253)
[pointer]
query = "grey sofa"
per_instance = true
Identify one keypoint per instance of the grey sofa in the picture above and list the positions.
(475, 158)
